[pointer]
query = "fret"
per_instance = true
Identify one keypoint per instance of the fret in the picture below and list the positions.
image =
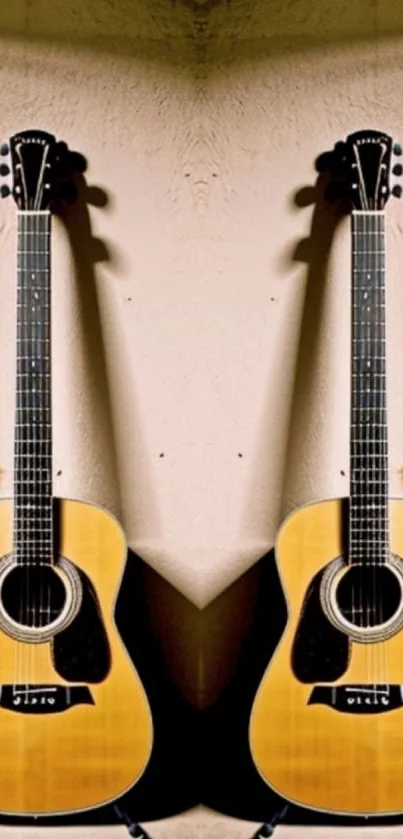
(365, 408)
(27, 324)
(366, 482)
(24, 518)
(31, 441)
(374, 425)
(29, 425)
(35, 543)
(33, 408)
(368, 456)
(38, 482)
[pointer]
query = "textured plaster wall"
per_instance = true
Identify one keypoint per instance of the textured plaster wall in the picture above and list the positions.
(202, 392)
(115, 80)
(285, 81)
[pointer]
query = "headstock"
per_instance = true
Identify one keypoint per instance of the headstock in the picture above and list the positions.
(40, 169)
(361, 169)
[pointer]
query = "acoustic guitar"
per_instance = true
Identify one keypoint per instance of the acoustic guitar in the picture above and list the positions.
(75, 725)
(326, 729)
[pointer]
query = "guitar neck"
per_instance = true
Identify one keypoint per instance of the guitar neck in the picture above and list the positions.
(33, 526)
(369, 520)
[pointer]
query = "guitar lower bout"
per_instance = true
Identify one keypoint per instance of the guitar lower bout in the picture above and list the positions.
(75, 724)
(326, 729)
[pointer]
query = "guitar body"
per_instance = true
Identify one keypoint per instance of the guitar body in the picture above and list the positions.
(341, 760)
(89, 753)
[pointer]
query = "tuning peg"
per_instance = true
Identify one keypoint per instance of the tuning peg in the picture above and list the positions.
(4, 149)
(4, 191)
(397, 169)
(340, 148)
(397, 191)
(397, 149)
(61, 147)
(4, 169)
(324, 162)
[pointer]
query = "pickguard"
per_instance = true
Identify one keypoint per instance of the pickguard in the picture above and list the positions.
(320, 652)
(81, 652)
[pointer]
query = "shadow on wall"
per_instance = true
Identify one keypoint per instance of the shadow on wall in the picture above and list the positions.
(242, 627)
(234, 785)
(153, 30)
(159, 626)
(252, 30)
(212, 31)
(274, 489)
(315, 253)
(100, 414)
(87, 252)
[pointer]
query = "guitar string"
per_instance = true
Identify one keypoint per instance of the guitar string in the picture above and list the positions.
(33, 457)
(46, 460)
(17, 447)
(369, 397)
(27, 465)
(384, 485)
(384, 476)
(374, 441)
(379, 455)
(375, 458)
(29, 447)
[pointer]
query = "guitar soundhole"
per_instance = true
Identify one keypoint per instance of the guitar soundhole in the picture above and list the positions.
(33, 596)
(368, 595)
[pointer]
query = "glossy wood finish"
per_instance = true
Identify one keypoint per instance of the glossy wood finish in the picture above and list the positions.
(89, 754)
(312, 754)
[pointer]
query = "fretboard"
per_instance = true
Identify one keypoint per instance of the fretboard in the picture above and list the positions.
(369, 508)
(33, 526)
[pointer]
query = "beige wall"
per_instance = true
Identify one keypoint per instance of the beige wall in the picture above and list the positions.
(201, 121)
(286, 81)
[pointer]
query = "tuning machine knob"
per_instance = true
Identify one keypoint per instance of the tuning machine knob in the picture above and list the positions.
(4, 149)
(61, 148)
(397, 149)
(5, 191)
(397, 169)
(4, 169)
(397, 191)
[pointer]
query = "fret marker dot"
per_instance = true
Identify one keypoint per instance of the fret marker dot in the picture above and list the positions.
(368, 276)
